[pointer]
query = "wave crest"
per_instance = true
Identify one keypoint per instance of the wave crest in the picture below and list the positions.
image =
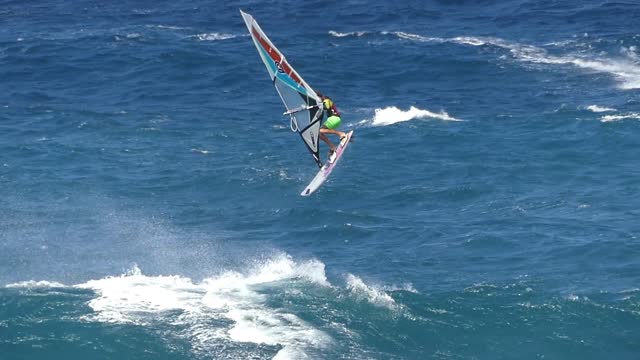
(611, 118)
(598, 109)
(625, 69)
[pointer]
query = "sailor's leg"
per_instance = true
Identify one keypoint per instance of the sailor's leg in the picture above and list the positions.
(324, 138)
(334, 132)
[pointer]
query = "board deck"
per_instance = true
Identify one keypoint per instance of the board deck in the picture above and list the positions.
(328, 167)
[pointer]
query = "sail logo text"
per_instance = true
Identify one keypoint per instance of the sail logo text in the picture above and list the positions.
(280, 69)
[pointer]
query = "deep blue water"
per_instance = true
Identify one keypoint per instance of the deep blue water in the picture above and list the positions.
(488, 208)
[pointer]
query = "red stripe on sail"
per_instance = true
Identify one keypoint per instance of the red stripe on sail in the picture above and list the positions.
(275, 56)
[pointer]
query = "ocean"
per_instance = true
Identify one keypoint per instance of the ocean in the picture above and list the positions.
(487, 209)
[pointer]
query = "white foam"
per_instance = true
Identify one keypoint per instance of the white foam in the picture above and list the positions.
(131, 296)
(239, 297)
(135, 298)
(204, 152)
(610, 118)
(392, 115)
(626, 69)
(404, 287)
(468, 40)
(213, 36)
(562, 43)
(631, 290)
(283, 268)
(415, 37)
(253, 322)
(352, 33)
(464, 40)
(599, 109)
(371, 293)
(626, 72)
(572, 297)
(36, 284)
(631, 52)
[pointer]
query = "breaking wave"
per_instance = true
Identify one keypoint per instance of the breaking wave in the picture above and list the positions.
(393, 115)
(237, 302)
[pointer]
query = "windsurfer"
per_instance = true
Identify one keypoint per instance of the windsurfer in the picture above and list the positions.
(331, 123)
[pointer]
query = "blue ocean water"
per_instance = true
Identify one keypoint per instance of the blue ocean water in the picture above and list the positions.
(488, 208)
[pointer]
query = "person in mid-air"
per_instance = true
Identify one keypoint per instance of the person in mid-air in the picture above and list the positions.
(331, 123)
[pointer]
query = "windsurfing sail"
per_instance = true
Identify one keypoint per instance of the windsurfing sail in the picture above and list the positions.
(303, 105)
